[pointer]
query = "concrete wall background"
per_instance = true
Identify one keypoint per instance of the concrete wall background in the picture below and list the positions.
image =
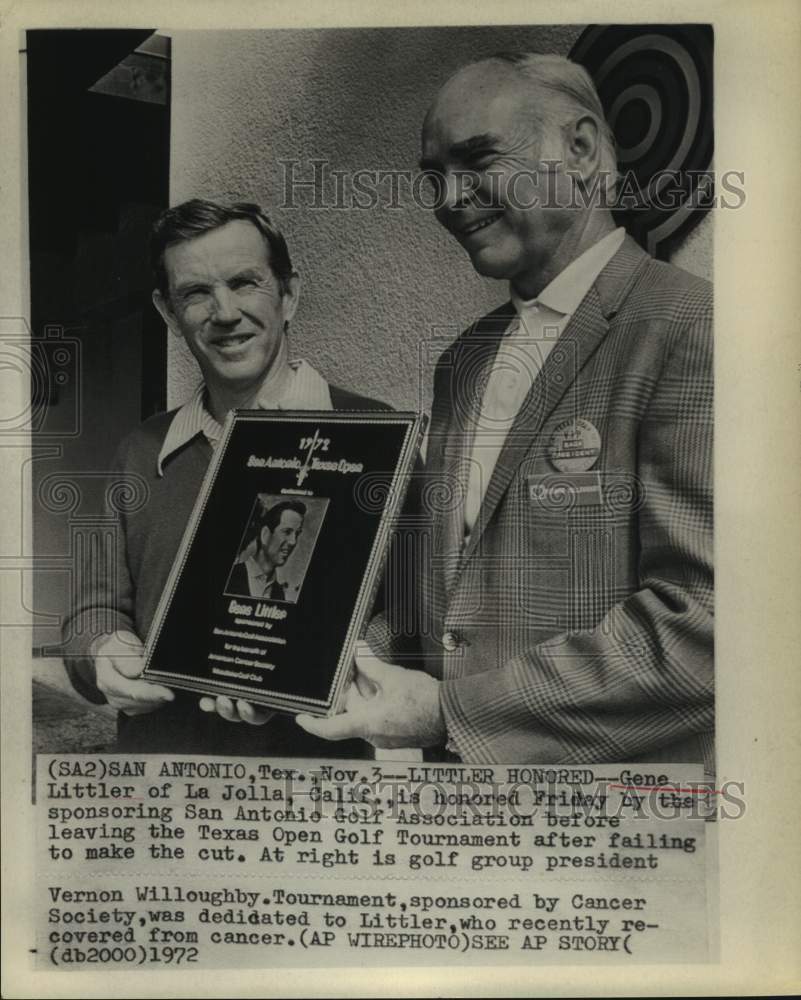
(378, 283)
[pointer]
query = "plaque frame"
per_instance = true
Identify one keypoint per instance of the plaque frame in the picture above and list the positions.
(359, 464)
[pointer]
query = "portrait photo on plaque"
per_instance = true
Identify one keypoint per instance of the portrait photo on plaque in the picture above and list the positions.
(276, 547)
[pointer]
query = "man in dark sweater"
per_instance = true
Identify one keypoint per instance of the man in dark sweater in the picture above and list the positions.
(225, 284)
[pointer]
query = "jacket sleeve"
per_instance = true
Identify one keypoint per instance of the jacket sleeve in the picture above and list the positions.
(644, 677)
(393, 629)
(103, 592)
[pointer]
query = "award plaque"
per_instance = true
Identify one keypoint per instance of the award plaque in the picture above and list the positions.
(281, 559)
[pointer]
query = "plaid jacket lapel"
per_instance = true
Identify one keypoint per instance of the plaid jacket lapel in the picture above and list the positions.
(468, 373)
(587, 328)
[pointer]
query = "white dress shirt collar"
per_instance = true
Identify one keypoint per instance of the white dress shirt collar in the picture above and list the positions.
(564, 294)
(257, 578)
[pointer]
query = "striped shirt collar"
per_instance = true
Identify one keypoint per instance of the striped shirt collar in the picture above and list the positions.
(306, 389)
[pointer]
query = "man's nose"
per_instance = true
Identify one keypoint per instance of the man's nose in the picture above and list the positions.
(457, 187)
(224, 309)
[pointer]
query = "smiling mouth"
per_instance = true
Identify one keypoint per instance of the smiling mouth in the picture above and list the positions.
(484, 223)
(232, 342)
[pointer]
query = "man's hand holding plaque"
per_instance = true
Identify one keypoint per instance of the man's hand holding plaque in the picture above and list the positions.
(118, 665)
(236, 710)
(387, 705)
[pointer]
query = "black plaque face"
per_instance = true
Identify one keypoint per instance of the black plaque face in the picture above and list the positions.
(278, 566)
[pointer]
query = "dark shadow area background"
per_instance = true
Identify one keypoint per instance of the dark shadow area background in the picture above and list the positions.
(98, 175)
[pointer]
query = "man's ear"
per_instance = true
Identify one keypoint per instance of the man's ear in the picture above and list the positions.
(583, 148)
(162, 304)
(291, 297)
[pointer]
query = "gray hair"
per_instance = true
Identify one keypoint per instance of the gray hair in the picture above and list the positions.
(569, 92)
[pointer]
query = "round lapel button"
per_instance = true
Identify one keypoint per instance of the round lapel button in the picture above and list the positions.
(574, 446)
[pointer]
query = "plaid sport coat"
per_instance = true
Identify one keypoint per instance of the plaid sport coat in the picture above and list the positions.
(576, 624)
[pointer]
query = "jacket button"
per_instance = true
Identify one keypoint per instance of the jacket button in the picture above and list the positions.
(450, 641)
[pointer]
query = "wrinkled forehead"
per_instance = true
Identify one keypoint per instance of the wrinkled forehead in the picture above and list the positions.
(480, 98)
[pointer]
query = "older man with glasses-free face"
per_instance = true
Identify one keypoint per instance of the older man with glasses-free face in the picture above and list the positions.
(566, 610)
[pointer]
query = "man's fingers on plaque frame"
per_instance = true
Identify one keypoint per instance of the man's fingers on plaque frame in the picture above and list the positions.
(338, 727)
(362, 690)
(133, 697)
(124, 649)
(236, 711)
(117, 678)
(364, 684)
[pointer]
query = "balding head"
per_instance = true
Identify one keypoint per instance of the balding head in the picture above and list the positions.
(508, 138)
(558, 91)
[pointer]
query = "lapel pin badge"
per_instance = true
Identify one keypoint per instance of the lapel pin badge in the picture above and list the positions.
(574, 446)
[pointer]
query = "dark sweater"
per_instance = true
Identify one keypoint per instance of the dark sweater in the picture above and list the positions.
(123, 592)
